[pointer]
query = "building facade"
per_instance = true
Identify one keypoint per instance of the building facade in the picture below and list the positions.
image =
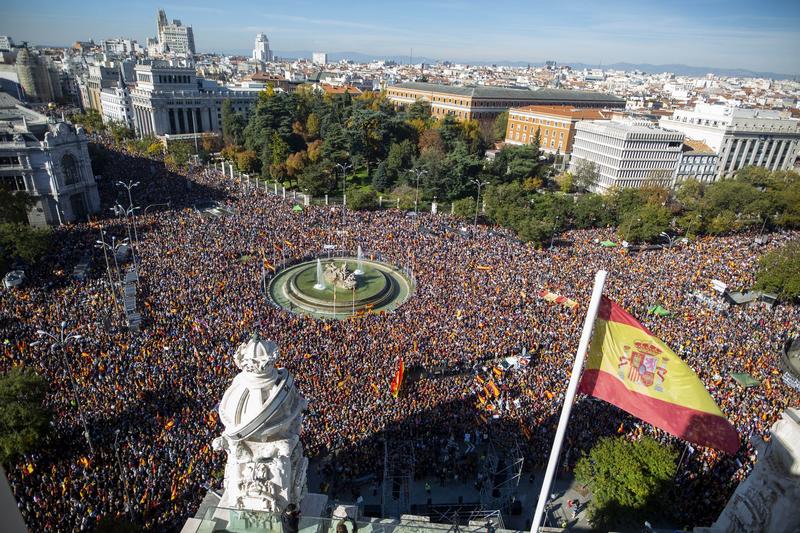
(484, 103)
(100, 77)
(39, 79)
(261, 51)
(50, 161)
(741, 137)
(627, 153)
(698, 161)
(319, 58)
(171, 100)
(554, 125)
(116, 104)
(174, 37)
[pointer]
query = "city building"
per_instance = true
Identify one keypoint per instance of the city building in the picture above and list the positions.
(698, 161)
(484, 103)
(50, 161)
(116, 104)
(261, 51)
(6, 43)
(171, 100)
(741, 137)
(120, 46)
(319, 58)
(38, 77)
(555, 125)
(100, 77)
(174, 37)
(627, 153)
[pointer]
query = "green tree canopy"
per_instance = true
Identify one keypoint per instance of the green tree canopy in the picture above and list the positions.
(23, 418)
(644, 224)
(779, 271)
(630, 481)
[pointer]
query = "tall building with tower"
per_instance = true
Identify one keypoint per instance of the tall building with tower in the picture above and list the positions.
(261, 51)
(174, 37)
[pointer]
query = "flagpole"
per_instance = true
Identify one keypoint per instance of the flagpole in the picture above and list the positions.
(572, 388)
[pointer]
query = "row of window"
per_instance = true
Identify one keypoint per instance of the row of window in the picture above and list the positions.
(9, 161)
(546, 122)
(174, 78)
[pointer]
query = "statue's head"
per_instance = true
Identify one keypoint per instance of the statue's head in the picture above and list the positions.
(256, 356)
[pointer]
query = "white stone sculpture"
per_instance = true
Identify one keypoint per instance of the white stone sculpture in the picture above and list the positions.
(767, 500)
(262, 412)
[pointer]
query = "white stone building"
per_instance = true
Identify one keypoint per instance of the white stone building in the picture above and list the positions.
(627, 153)
(171, 100)
(319, 58)
(116, 104)
(261, 51)
(698, 161)
(741, 137)
(50, 161)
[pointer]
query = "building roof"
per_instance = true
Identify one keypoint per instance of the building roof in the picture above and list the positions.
(483, 91)
(699, 147)
(565, 111)
(331, 89)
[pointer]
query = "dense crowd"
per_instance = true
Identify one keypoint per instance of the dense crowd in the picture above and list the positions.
(200, 296)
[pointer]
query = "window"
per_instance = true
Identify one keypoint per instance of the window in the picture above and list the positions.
(12, 183)
(70, 169)
(9, 161)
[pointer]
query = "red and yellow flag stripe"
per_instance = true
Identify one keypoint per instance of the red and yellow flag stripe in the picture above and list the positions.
(631, 368)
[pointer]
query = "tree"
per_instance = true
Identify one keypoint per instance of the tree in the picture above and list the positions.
(319, 179)
(464, 208)
(247, 161)
(14, 205)
(591, 211)
(630, 481)
(21, 242)
(362, 199)
(233, 124)
(585, 175)
(312, 126)
(499, 126)
(644, 224)
(23, 418)
(92, 121)
(120, 132)
(566, 182)
(779, 271)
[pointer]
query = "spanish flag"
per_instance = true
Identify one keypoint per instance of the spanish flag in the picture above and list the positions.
(397, 382)
(632, 369)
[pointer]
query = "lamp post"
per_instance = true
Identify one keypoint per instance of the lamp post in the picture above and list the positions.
(418, 172)
(553, 235)
(479, 183)
(129, 213)
(670, 239)
(344, 167)
(60, 339)
(105, 246)
(124, 475)
(128, 186)
(168, 204)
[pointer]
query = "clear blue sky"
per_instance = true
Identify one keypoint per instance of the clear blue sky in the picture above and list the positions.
(758, 35)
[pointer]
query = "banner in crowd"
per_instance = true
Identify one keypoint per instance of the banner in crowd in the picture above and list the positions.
(632, 369)
(397, 382)
(557, 298)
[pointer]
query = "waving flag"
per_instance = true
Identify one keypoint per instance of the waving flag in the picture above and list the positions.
(632, 369)
(397, 382)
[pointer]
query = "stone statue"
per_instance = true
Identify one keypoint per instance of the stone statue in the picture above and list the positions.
(262, 412)
(767, 499)
(340, 276)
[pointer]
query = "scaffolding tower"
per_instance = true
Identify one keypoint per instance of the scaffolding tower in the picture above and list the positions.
(501, 471)
(398, 477)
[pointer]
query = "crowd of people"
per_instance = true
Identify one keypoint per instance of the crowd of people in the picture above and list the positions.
(149, 397)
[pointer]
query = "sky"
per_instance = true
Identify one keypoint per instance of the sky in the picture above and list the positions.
(759, 36)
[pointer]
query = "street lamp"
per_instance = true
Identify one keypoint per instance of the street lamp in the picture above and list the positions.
(553, 235)
(670, 239)
(479, 183)
(130, 185)
(124, 475)
(168, 204)
(418, 172)
(129, 213)
(60, 339)
(105, 246)
(344, 167)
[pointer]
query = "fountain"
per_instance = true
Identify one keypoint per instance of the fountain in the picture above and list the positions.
(320, 284)
(360, 264)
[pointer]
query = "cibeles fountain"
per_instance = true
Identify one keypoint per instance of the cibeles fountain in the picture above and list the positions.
(262, 412)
